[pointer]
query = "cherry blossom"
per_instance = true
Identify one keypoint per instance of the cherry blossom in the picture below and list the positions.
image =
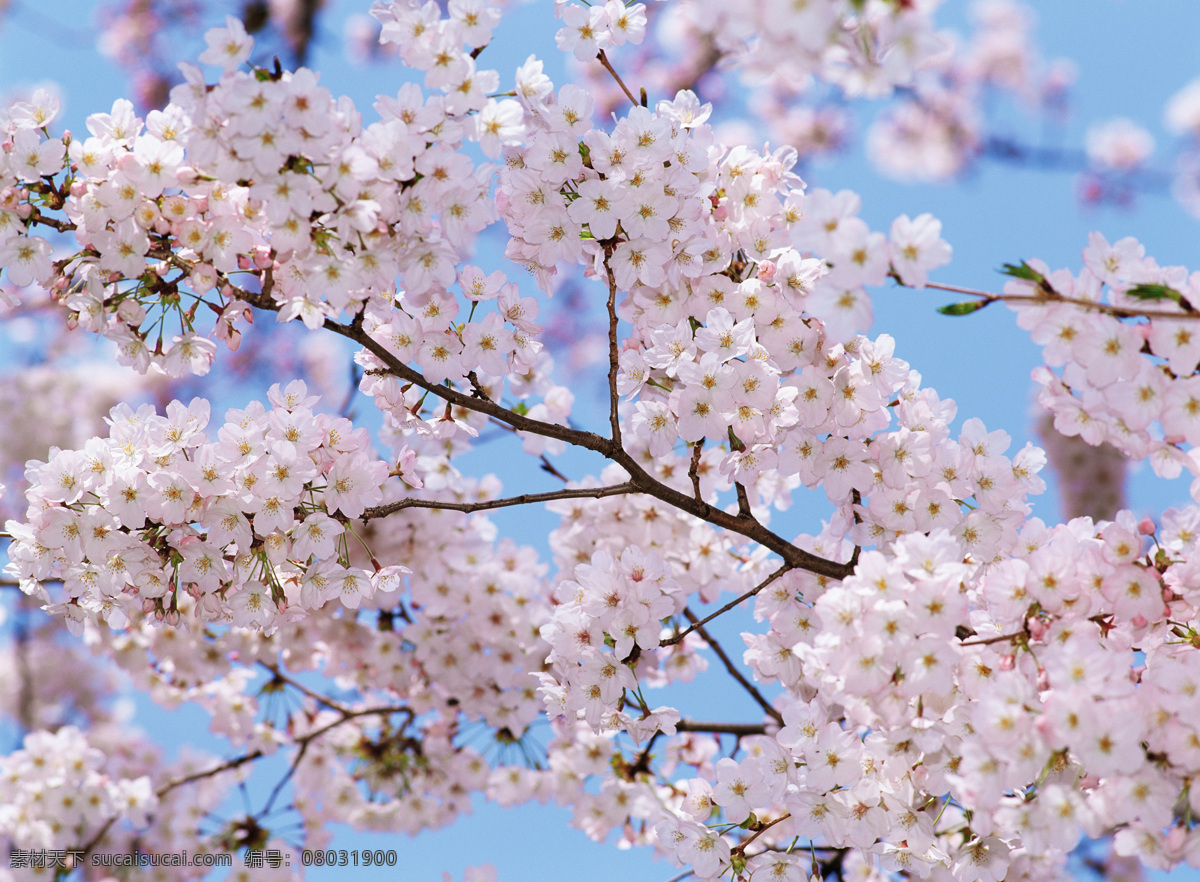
(939, 683)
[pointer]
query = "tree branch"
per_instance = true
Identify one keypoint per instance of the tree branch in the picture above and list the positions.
(743, 500)
(1048, 300)
(641, 480)
(380, 511)
(608, 67)
(727, 607)
(738, 729)
(694, 469)
(614, 418)
(239, 761)
(767, 826)
(733, 670)
(995, 638)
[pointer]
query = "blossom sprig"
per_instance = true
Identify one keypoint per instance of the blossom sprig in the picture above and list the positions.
(312, 206)
(1119, 348)
(251, 525)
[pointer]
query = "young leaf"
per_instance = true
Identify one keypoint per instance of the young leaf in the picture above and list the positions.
(965, 308)
(1155, 292)
(1023, 271)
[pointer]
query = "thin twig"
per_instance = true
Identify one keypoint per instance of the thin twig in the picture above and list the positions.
(733, 670)
(727, 607)
(743, 500)
(738, 729)
(1048, 300)
(477, 386)
(548, 467)
(380, 511)
(282, 782)
(998, 638)
(242, 760)
(694, 468)
(764, 828)
(315, 696)
(608, 67)
(614, 419)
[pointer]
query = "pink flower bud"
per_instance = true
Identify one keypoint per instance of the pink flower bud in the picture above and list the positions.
(1176, 838)
(1146, 527)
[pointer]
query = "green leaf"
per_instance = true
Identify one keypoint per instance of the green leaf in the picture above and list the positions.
(1023, 271)
(1155, 292)
(965, 308)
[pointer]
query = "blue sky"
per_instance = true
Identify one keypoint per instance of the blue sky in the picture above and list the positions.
(1131, 57)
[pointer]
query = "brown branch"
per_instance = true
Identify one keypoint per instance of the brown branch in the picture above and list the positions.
(477, 386)
(549, 468)
(608, 67)
(315, 696)
(998, 638)
(239, 761)
(694, 468)
(36, 217)
(743, 500)
(639, 478)
(733, 670)
(764, 828)
(727, 607)
(614, 419)
(738, 729)
(380, 511)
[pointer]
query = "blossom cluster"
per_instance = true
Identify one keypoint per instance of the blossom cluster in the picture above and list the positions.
(116, 522)
(328, 212)
(1129, 383)
(804, 60)
(63, 791)
(977, 718)
(605, 619)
